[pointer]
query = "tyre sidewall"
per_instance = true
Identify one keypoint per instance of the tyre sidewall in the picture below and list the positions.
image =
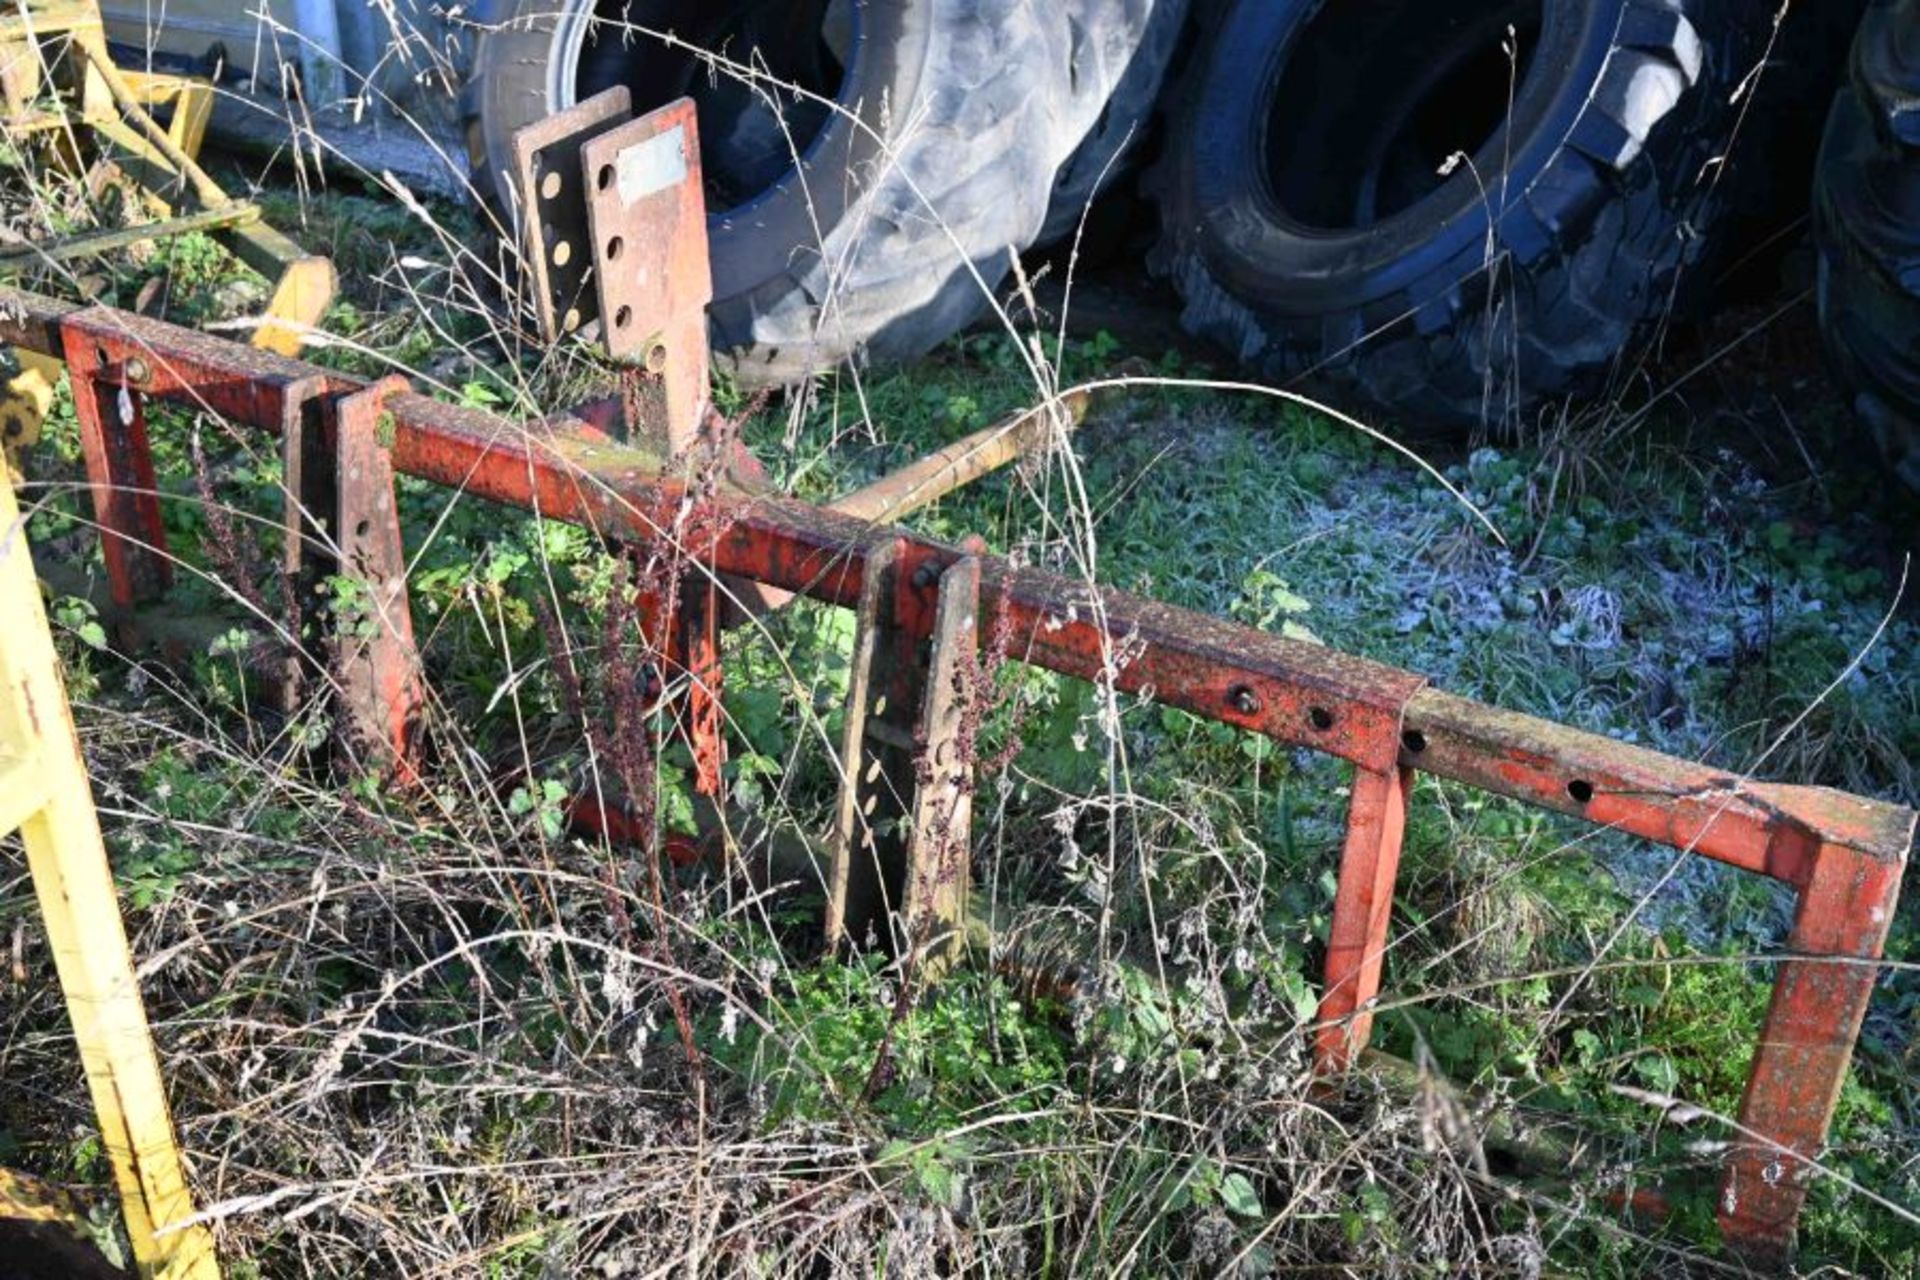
(1257, 253)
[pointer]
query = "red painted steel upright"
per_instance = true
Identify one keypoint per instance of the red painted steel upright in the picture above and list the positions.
(1357, 939)
(376, 662)
(109, 402)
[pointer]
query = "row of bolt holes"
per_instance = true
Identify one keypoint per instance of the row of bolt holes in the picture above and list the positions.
(1247, 702)
(1240, 697)
(563, 250)
(624, 315)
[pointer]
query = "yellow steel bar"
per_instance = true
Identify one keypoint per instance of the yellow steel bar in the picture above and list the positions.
(81, 914)
(94, 48)
(27, 397)
(90, 244)
(303, 284)
(23, 788)
(192, 101)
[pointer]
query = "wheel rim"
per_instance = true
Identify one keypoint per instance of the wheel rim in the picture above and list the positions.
(779, 71)
(1438, 77)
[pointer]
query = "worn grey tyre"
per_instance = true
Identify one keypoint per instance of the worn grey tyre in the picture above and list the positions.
(1316, 231)
(1122, 51)
(1866, 222)
(932, 166)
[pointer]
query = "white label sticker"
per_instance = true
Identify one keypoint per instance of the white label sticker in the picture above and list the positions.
(651, 166)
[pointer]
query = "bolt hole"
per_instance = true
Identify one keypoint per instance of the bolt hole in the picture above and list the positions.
(101, 357)
(614, 246)
(1581, 790)
(1414, 741)
(1320, 718)
(623, 317)
(362, 529)
(605, 178)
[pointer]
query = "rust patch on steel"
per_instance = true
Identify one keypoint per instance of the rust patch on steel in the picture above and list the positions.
(647, 218)
(375, 659)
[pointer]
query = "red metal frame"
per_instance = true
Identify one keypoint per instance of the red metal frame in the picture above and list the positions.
(1843, 854)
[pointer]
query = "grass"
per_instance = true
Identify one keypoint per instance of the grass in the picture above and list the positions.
(438, 1033)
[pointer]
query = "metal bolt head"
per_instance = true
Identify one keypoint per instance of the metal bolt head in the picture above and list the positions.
(1244, 700)
(137, 371)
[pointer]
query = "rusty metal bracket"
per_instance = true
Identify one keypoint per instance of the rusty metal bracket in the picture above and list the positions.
(647, 217)
(552, 208)
(866, 882)
(109, 402)
(309, 508)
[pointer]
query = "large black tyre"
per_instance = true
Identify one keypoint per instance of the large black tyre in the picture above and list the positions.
(1124, 49)
(1315, 227)
(1866, 220)
(935, 164)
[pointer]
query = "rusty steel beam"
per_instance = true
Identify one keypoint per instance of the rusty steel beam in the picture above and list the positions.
(1843, 854)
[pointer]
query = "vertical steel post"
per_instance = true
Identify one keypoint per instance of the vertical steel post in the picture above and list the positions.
(111, 411)
(867, 882)
(1363, 905)
(1845, 910)
(940, 839)
(697, 639)
(310, 501)
(375, 658)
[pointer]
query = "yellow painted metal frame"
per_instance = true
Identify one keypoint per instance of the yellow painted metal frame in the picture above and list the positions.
(44, 795)
(55, 52)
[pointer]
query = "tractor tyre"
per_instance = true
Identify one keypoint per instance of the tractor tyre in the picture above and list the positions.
(1124, 49)
(927, 135)
(1493, 206)
(1866, 225)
